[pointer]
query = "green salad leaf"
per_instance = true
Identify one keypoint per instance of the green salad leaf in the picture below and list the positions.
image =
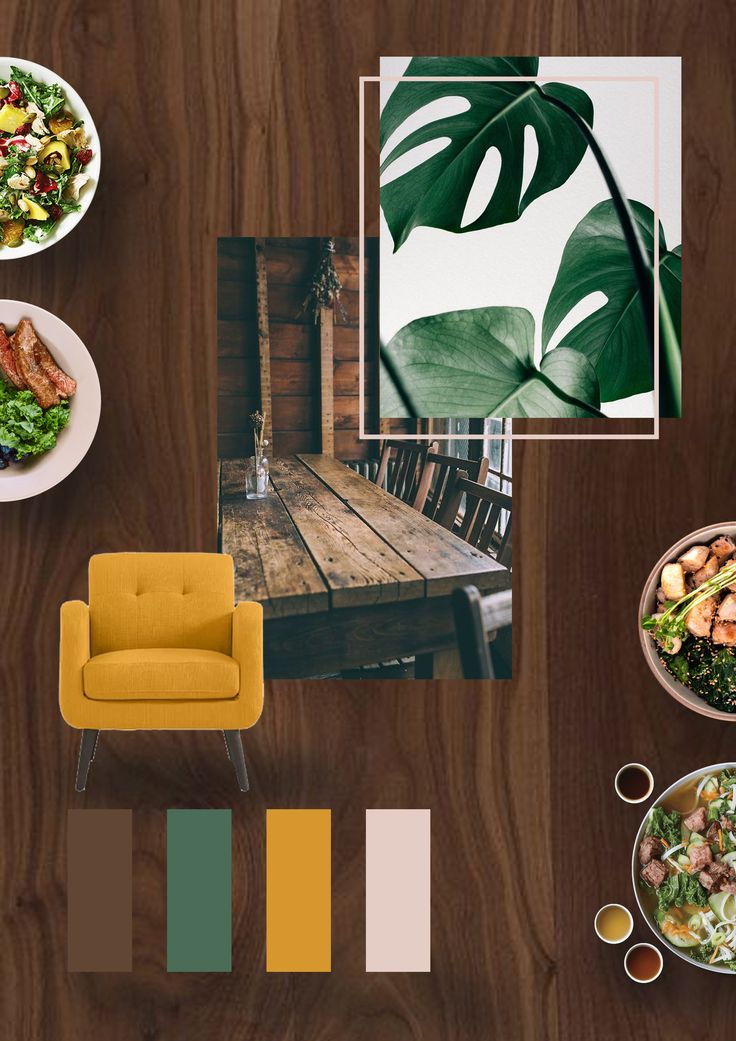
(677, 890)
(715, 808)
(707, 669)
(25, 426)
(704, 953)
(48, 96)
(665, 826)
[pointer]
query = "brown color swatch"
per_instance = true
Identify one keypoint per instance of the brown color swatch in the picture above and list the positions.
(100, 890)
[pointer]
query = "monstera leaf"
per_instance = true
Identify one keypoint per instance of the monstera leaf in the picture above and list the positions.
(436, 191)
(614, 338)
(480, 362)
(389, 397)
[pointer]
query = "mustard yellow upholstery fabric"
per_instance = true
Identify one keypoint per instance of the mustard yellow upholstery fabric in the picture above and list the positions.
(160, 600)
(168, 672)
(163, 602)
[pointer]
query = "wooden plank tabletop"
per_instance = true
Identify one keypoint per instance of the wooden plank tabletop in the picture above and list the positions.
(272, 564)
(357, 565)
(444, 560)
(325, 536)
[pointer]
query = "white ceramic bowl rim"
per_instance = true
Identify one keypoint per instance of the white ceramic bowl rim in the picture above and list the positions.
(673, 686)
(80, 111)
(712, 769)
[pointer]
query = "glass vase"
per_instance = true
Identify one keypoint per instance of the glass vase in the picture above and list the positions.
(256, 477)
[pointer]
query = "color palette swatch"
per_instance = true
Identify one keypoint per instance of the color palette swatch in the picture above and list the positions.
(100, 890)
(397, 891)
(198, 890)
(298, 891)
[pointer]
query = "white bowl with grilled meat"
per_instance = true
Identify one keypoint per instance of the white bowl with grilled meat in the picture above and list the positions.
(684, 868)
(687, 621)
(49, 400)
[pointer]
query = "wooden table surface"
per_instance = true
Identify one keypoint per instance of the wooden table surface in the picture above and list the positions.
(327, 537)
(327, 542)
(528, 838)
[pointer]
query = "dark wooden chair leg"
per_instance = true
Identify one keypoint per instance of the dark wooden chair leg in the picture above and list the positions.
(234, 746)
(87, 749)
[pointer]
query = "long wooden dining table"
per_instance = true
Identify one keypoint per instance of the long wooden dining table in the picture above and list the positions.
(348, 575)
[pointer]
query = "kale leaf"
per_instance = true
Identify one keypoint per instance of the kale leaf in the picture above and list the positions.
(681, 889)
(25, 426)
(665, 825)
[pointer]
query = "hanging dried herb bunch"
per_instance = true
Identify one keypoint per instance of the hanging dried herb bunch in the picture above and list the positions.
(326, 285)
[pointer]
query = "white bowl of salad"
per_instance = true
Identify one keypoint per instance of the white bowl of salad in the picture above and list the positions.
(50, 400)
(684, 868)
(49, 158)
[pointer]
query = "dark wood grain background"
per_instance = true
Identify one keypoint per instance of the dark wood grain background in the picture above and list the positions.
(240, 118)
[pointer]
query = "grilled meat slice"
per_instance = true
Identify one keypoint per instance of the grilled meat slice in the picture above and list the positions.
(650, 849)
(724, 633)
(707, 571)
(697, 820)
(654, 873)
(701, 856)
(29, 368)
(698, 619)
(673, 581)
(695, 557)
(727, 608)
(65, 385)
(8, 367)
(723, 546)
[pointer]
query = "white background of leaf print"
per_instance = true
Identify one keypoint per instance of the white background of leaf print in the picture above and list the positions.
(515, 264)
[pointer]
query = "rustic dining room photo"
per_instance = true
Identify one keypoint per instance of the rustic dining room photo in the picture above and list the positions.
(380, 556)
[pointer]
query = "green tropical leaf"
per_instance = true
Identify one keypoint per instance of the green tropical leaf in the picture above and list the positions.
(436, 191)
(480, 362)
(614, 337)
(391, 403)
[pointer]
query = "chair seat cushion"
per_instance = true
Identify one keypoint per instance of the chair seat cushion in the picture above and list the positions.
(168, 673)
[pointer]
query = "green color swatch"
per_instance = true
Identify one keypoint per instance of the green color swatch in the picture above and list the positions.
(199, 890)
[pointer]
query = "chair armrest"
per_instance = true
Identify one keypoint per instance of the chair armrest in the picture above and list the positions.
(247, 649)
(74, 648)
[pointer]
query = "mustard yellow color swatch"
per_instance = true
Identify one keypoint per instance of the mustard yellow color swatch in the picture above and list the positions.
(298, 891)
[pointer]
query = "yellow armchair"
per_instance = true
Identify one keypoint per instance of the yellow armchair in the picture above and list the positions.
(161, 646)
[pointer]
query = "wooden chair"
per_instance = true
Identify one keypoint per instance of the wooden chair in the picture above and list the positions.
(482, 524)
(407, 475)
(478, 621)
(447, 470)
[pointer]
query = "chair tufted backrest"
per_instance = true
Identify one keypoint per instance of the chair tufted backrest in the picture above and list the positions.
(161, 600)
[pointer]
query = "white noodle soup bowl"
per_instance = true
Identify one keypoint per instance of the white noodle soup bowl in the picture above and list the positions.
(695, 775)
(36, 475)
(77, 108)
(648, 605)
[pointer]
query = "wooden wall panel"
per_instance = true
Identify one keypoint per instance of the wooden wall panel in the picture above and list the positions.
(294, 346)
